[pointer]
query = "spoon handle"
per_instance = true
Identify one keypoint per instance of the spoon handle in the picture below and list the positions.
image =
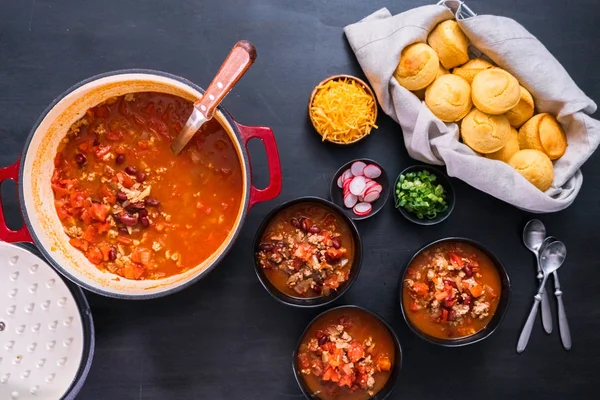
(563, 324)
(546, 312)
(526, 332)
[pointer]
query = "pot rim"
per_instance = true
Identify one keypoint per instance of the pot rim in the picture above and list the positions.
(311, 302)
(466, 340)
(101, 289)
(397, 370)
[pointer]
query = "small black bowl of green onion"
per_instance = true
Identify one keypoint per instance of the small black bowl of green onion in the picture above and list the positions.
(424, 195)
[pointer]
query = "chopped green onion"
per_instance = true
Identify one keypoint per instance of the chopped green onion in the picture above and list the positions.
(419, 194)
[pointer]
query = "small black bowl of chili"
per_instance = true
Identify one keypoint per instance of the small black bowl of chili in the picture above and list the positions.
(348, 353)
(454, 292)
(307, 253)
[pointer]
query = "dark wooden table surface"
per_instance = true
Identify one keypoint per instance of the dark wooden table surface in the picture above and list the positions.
(225, 337)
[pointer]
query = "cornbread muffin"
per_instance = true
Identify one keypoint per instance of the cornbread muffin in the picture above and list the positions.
(509, 149)
(418, 66)
(484, 133)
(543, 132)
(472, 68)
(495, 91)
(450, 43)
(535, 166)
(449, 97)
(522, 111)
(421, 93)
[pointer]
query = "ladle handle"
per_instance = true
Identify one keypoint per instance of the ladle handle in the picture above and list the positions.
(236, 64)
(527, 328)
(563, 324)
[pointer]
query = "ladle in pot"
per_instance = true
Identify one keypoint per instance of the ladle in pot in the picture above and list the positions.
(236, 64)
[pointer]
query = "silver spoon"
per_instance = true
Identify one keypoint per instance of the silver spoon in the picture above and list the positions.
(533, 237)
(551, 259)
(563, 323)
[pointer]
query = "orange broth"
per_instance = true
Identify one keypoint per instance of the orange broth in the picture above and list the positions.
(131, 205)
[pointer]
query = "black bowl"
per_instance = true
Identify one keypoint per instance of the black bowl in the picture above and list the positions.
(311, 301)
(337, 195)
(443, 180)
(496, 318)
(386, 390)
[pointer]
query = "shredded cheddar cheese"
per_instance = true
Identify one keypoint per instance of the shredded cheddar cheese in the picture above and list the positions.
(342, 111)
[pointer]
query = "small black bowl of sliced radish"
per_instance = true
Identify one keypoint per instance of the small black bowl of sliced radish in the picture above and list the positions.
(361, 188)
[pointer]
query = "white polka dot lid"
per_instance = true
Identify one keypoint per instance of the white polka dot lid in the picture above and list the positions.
(43, 344)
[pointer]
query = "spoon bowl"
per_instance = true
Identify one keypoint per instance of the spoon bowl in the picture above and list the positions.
(534, 234)
(552, 257)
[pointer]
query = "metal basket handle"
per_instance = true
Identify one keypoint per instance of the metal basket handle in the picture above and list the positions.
(459, 9)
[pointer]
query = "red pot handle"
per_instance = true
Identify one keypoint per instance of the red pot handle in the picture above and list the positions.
(6, 234)
(266, 136)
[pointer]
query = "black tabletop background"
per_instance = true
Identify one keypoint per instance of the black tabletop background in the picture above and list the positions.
(225, 337)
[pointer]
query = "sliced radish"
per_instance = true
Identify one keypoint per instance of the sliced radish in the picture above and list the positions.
(362, 209)
(370, 184)
(340, 181)
(357, 186)
(360, 198)
(376, 187)
(371, 196)
(350, 200)
(346, 184)
(347, 175)
(357, 168)
(372, 171)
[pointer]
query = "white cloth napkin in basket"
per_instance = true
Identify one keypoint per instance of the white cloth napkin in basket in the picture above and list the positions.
(378, 41)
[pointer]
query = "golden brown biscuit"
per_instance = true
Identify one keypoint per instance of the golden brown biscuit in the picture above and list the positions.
(418, 66)
(421, 92)
(449, 97)
(450, 43)
(520, 113)
(535, 166)
(495, 91)
(543, 132)
(509, 149)
(472, 68)
(484, 133)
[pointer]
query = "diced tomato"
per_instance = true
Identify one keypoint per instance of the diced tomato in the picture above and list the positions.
(55, 176)
(456, 260)
(102, 228)
(89, 234)
(356, 351)
(101, 151)
(420, 288)
(414, 306)
(133, 271)
(304, 251)
(108, 194)
(347, 380)
(120, 150)
(125, 180)
(362, 379)
(439, 296)
(85, 146)
(94, 255)
(62, 213)
(444, 315)
(124, 240)
(77, 199)
(59, 191)
(476, 290)
(67, 183)
(334, 254)
(384, 364)
(58, 159)
(79, 244)
(317, 367)
(86, 217)
(303, 361)
(141, 256)
(329, 347)
(143, 144)
(105, 249)
(331, 374)
(114, 136)
(99, 211)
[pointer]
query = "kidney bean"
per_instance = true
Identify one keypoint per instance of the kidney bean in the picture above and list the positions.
(131, 170)
(305, 224)
(96, 142)
(120, 159)
(140, 177)
(143, 212)
(295, 223)
(151, 202)
(144, 221)
(80, 159)
(451, 315)
(128, 219)
(314, 229)
(468, 271)
(467, 300)
(450, 282)
(268, 247)
(112, 253)
(121, 196)
(322, 340)
(138, 205)
(122, 229)
(336, 242)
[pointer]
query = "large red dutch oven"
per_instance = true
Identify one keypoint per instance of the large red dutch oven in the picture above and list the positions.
(34, 170)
